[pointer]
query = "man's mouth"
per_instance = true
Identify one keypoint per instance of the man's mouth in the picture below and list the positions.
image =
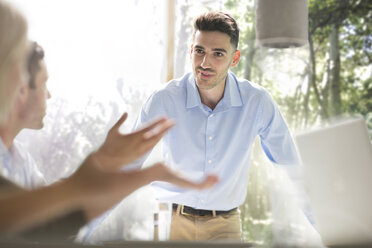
(205, 74)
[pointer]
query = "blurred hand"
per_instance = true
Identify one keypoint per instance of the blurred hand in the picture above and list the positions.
(101, 190)
(160, 172)
(122, 149)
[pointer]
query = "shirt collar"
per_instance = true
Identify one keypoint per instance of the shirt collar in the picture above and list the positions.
(231, 98)
(192, 93)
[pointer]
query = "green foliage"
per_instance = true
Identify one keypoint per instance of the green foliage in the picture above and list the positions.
(353, 20)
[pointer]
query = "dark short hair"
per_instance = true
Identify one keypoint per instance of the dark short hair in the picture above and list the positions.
(33, 65)
(218, 21)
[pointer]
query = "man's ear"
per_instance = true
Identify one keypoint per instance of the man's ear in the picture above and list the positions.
(191, 49)
(23, 93)
(236, 58)
(21, 100)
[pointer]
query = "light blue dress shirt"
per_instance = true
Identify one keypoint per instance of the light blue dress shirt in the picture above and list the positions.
(218, 141)
(17, 165)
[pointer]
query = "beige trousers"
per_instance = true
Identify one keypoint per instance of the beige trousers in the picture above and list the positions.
(220, 227)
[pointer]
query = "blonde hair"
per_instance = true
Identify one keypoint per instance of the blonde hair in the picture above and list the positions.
(13, 40)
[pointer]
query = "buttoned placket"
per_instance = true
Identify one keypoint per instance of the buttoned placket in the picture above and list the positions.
(209, 142)
(209, 162)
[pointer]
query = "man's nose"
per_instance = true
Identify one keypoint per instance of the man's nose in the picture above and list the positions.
(205, 63)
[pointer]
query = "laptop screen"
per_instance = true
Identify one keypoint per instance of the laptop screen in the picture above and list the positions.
(337, 166)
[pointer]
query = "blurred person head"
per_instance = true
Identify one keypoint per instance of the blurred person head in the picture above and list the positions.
(13, 54)
(33, 110)
(28, 111)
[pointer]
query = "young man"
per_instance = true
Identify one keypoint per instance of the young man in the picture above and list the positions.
(218, 117)
(17, 164)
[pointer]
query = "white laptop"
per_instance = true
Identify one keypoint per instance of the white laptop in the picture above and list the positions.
(338, 179)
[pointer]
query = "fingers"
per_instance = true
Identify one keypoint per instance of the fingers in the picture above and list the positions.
(120, 121)
(209, 181)
(158, 131)
(153, 125)
(152, 137)
(174, 178)
(155, 130)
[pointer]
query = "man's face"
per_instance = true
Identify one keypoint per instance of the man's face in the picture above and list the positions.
(34, 109)
(212, 54)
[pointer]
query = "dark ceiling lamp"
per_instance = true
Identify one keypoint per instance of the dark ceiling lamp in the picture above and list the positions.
(281, 23)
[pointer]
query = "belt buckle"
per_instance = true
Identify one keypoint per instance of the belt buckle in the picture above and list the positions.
(183, 213)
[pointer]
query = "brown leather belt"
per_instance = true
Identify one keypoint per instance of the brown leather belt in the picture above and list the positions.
(186, 210)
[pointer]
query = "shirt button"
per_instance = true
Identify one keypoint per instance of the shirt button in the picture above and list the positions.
(210, 137)
(211, 115)
(202, 201)
(209, 161)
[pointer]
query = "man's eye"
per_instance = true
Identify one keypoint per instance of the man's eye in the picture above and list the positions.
(218, 54)
(199, 51)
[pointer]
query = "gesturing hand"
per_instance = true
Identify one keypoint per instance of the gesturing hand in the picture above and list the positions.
(122, 149)
(100, 190)
(160, 172)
